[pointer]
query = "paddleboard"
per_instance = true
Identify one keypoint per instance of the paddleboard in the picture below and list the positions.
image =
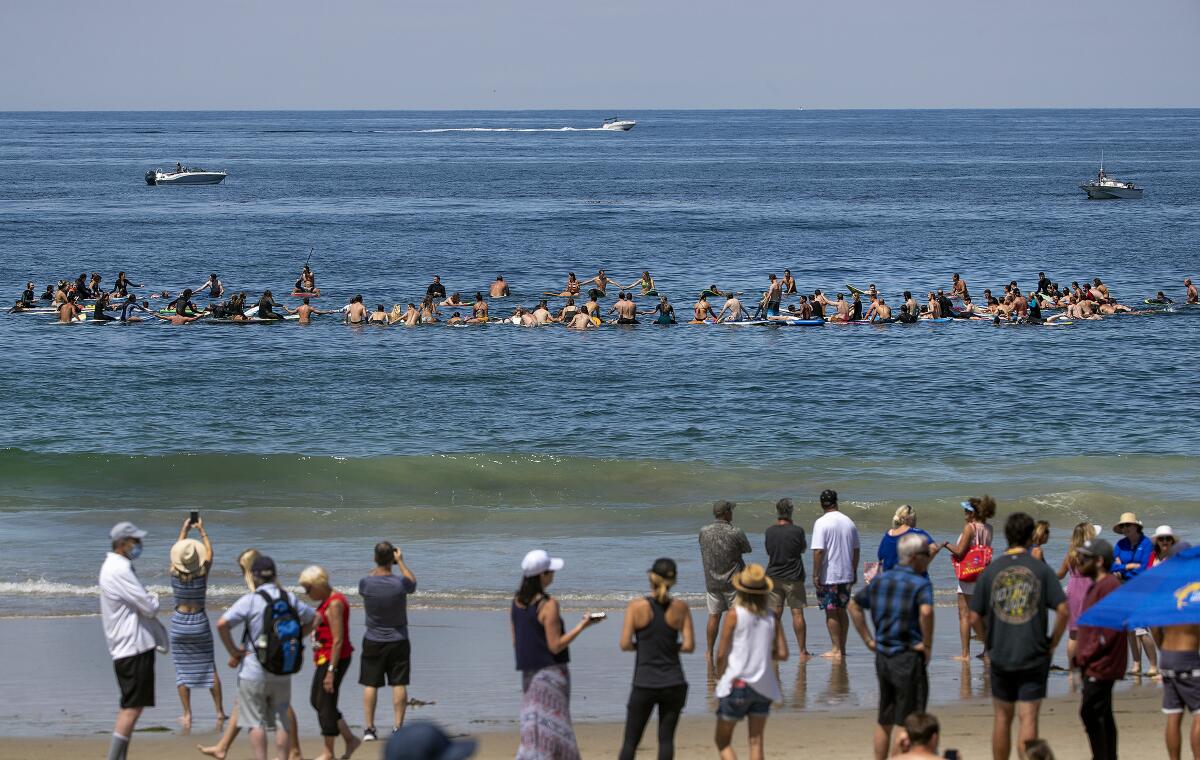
(298, 294)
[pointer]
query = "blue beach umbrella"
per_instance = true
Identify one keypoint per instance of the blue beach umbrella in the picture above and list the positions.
(1166, 594)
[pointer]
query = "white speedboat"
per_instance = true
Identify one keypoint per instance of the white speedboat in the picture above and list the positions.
(1104, 187)
(183, 175)
(619, 125)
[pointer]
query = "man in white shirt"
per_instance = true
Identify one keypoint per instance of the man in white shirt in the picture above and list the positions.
(263, 697)
(835, 569)
(127, 610)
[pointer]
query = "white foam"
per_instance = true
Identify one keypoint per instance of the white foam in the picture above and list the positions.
(499, 129)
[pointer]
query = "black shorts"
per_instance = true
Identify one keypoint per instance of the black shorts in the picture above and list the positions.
(382, 661)
(1027, 685)
(903, 686)
(135, 677)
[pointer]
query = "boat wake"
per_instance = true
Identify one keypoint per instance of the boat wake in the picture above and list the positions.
(508, 129)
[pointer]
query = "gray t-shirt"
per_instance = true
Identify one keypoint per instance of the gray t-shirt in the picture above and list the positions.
(385, 601)
(1014, 595)
(248, 611)
(721, 550)
(786, 545)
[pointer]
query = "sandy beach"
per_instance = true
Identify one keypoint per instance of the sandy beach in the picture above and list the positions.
(463, 673)
(965, 726)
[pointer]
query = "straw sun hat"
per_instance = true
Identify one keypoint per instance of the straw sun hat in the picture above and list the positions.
(185, 556)
(1127, 518)
(753, 580)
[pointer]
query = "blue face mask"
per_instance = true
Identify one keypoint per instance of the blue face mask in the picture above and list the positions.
(135, 552)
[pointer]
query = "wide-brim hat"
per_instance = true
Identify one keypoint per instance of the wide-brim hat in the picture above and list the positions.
(186, 556)
(1128, 518)
(753, 580)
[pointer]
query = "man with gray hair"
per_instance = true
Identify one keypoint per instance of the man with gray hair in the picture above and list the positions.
(128, 612)
(786, 543)
(901, 605)
(721, 550)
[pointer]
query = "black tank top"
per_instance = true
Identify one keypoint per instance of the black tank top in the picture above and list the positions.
(658, 652)
(531, 648)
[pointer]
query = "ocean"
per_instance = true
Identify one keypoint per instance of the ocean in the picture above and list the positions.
(468, 447)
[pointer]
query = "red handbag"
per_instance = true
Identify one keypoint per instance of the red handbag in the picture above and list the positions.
(972, 564)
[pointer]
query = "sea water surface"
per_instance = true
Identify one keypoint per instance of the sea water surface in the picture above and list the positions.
(470, 446)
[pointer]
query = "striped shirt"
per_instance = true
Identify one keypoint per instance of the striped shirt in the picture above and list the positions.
(894, 599)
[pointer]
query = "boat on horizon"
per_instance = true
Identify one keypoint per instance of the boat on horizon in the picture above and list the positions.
(184, 175)
(1104, 187)
(614, 124)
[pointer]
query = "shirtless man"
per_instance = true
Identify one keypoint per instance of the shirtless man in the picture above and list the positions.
(842, 308)
(1112, 307)
(789, 283)
(411, 317)
(911, 309)
(1100, 290)
(883, 312)
(499, 288)
(626, 310)
(572, 287)
(524, 318)
(1020, 305)
(356, 312)
(732, 306)
(873, 309)
(175, 319)
(581, 321)
(454, 300)
(771, 299)
(933, 307)
(479, 310)
(69, 310)
(542, 314)
(602, 281)
(958, 287)
(702, 310)
(805, 308)
(1177, 654)
(1192, 295)
(307, 312)
(592, 307)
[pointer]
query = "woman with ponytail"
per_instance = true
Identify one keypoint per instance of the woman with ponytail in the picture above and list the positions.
(658, 628)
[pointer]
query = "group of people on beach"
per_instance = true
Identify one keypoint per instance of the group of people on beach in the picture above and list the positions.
(1006, 599)
(1046, 302)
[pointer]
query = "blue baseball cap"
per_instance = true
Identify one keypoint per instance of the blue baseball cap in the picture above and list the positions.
(425, 741)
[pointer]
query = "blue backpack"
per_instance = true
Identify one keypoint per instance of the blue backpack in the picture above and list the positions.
(280, 646)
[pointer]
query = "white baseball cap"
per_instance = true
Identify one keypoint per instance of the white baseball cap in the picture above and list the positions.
(126, 530)
(1164, 530)
(538, 561)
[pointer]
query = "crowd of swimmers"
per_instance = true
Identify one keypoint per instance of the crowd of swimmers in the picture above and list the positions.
(1046, 302)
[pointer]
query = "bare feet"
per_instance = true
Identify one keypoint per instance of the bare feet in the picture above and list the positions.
(186, 720)
(351, 745)
(834, 654)
(213, 751)
(804, 655)
(222, 718)
(962, 658)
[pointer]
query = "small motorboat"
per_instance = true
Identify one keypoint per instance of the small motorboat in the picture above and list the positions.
(1104, 187)
(618, 125)
(184, 175)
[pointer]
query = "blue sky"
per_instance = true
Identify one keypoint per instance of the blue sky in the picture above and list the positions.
(606, 54)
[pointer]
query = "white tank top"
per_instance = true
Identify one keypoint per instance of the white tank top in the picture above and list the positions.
(750, 658)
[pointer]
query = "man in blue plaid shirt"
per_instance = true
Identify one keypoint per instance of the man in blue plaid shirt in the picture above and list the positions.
(901, 606)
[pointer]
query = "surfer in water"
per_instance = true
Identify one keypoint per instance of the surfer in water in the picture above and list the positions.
(602, 281)
(789, 283)
(306, 312)
(1192, 295)
(958, 288)
(732, 307)
(499, 288)
(215, 288)
(479, 310)
(625, 309)
(307, 282)
(702, 311)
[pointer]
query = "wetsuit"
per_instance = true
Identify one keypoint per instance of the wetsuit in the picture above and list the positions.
(183, 308)
(856, 311)
(906, 316)
(265, 305)
(1035, 312)
(98, 314)
(27, 297)
(436, 290)
(665, 317)
(947, 307)
(127, 310)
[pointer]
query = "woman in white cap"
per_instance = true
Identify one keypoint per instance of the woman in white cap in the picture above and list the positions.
(1131, 557)
(541, 642)
(1164, 543)
(191, 636)
(751, 642)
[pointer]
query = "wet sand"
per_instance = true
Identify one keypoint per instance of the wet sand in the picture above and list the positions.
(462, 667)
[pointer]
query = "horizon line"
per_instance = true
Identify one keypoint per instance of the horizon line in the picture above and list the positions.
(591, 109)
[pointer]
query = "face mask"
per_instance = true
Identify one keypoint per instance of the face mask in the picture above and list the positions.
(135, 552)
